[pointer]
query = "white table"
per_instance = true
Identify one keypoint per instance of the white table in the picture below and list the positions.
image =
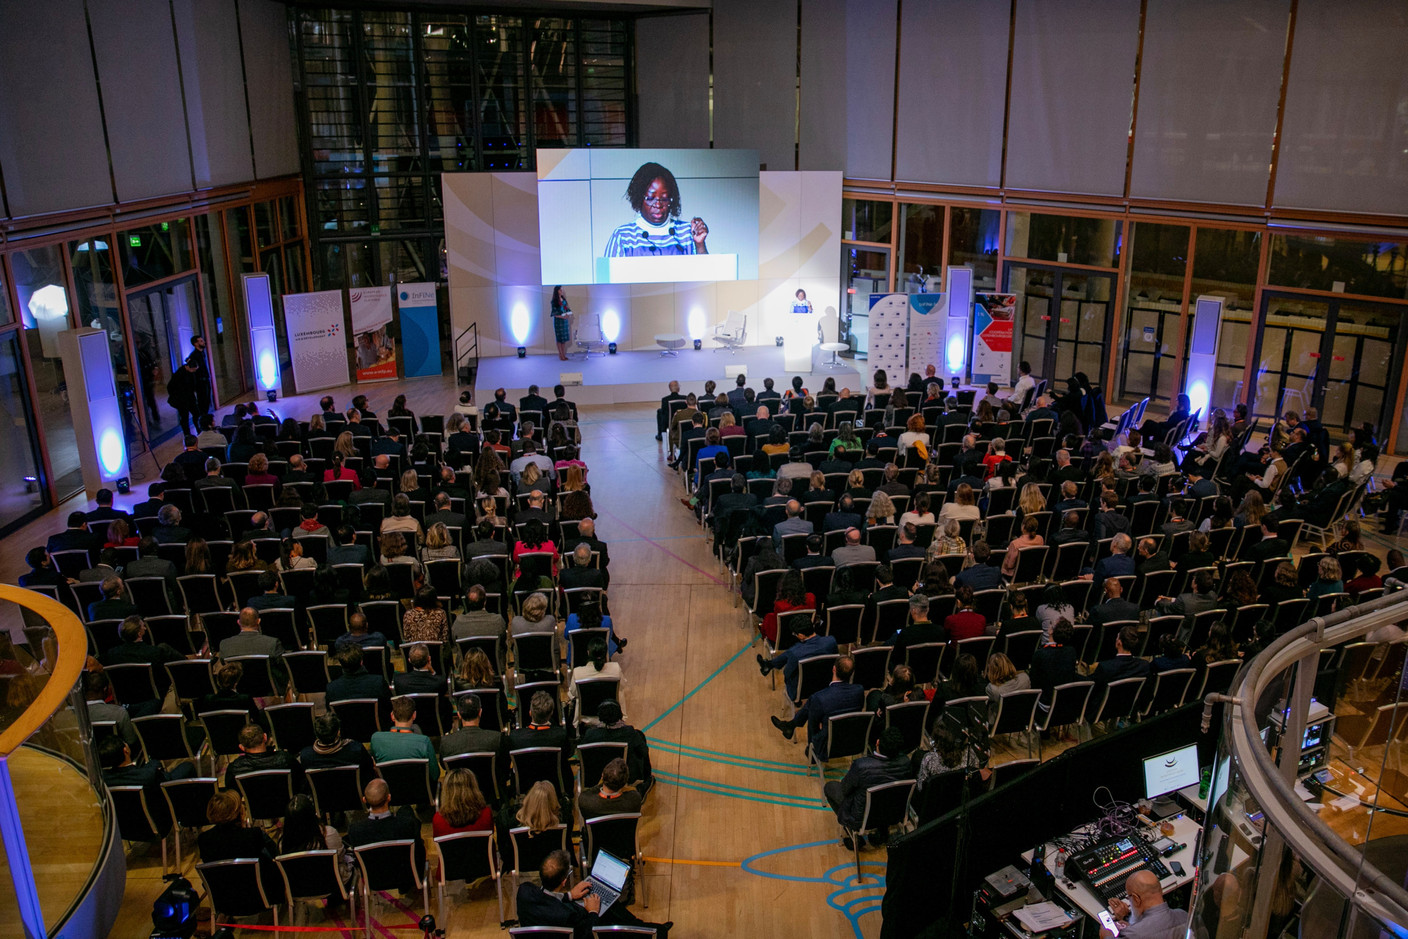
(670, 343)
(1185, 832)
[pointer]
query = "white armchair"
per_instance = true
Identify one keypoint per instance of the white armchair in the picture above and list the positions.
(731, 333)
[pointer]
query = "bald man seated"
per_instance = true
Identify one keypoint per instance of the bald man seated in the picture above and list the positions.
(382, 824)
(1145, 915)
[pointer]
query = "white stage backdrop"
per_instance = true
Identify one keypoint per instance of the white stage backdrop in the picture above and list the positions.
(316, 342)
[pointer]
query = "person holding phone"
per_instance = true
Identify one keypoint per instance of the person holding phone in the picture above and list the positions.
(1144, 914)
(561, 321)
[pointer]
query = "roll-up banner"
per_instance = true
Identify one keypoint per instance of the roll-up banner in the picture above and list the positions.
(371, 333)
(316, 343)
(420, 329)
(993, 315)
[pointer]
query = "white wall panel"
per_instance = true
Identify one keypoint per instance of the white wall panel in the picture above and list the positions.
(1072, 95)
(755, 79)
(469, 228)
(217, 117)
(516, 228)
(652, 313)
(51, 130)
(818, 214)
(268, 72)
(953, 90)
(672, 74)
(1344, 134)
(141, 86)
(1208, 90)
(778, 195)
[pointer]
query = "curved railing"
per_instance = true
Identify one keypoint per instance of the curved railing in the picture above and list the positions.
(1273, 696)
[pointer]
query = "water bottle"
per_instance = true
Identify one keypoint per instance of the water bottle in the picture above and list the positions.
(1061, 863)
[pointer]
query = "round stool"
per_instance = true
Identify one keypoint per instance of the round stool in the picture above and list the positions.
(670, 343)
(833, 348)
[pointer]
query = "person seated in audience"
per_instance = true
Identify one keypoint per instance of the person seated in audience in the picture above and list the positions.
(543, 729)
(42, 572)
(303, 830)
(477, 620)
(1055, 662)
(1109, 521)
(426, 620)
(980, 575)
(1113, 608)
(905, 547)
(1118, 564)
(1015, 617)
(1173, 653)
(1329, 579)
(1151, 557)
(98, 697)
(948, 539)
(791, 596)
(113, 603)
(1124, 664)
(136, 648)
(612, 728)
(258, 754)
(402, 522)
(919, 512)
(852, 551)
(338, 472)
(844, 517)
(119, 534)
(918, 628)
(359, 634)
(550, 902)
(355, 681)
(614, 796)
(1071, 532)
(598, 666)
(419, 676)
(1198, 554)
(468, 736)
(228, 838)
(461, 806)
(1003, 678)
(119, 769)
(1368, 578)
(1238, 590)
(847, 796)
(330, 749)
(950, 753)
(807, 645)
(1029, 538)
(439, 546)
(1200, 597)
(76, 537)
(405, 740)
(271, 595)
(382, 824)
(964, 506)
(228, 697)
(881, 510)
(291, 557)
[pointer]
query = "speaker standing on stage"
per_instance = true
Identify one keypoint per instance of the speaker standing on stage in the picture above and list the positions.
(561, 324)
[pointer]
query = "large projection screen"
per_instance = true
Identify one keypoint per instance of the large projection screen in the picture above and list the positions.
(647, 216)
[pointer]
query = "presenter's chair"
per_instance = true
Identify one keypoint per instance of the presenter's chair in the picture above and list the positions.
(829, 329)
(731, 333)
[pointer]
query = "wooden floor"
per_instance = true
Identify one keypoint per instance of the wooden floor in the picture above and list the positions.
(739, 839)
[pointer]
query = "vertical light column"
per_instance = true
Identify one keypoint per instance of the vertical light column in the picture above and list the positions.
(958, 325)
(1202, 352)
(263, 339)
(93, 401)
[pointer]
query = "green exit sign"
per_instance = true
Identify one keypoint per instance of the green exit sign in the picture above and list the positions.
(165, 226)
(134, 241)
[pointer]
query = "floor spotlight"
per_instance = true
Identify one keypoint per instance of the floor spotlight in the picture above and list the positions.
(523, 352)
(779, 342)
(611, 348)
(698, 344)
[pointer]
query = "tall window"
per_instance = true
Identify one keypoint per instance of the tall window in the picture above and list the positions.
(389, 100)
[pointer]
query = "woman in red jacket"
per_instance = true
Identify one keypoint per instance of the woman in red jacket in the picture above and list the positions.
(791, 595)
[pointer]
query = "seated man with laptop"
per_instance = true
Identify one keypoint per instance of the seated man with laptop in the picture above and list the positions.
(592, 902)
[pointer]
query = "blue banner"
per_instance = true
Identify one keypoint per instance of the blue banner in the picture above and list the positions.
(420, 329)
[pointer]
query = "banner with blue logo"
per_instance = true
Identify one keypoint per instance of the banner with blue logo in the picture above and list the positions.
(420, 329)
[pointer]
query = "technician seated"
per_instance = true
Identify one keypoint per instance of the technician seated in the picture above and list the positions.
(1146, 915)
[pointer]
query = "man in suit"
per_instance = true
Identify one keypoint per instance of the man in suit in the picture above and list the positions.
(105, 513)
(808, 644)
(760, 425)
(235, 417)
(105, 568)
(1118, 564)
(533, 401)
(97, 695)
(476, 620)
(813, 557)
(662, 413)
(250, 641)
(586, 534)
(419, 676)
(769, 393)
(580, 573)
(1201, 598)
(382, 824)
(358, 633)
(737, 501)
(136, 649)
(852, 551)
(469, 737)
(551, 903)
(981, 575)
(736, 398)
(1043, 412)
(212, 479)
(1270, 546)
(444, 514)
(1110, 521)
(1114, 607)
(1199, 487)
(355, 681)
(154, 501)
(1069, 500)
(612, 729)
(1065, 470)
(1070, 531)
(906, 548)
(270, 596)
(781, 493)
(256, 755)
(405, 741)
(344, 548)
(560, 398)
(887, 589)
(839, 697)
(119, 769)
(1151, 557)
(358, 427)
(612, 797)
(793, 524)
(542, 730)
(76, 537)
(920, 628)
(330, 749)
(844, 517)
(149, 565)
(114, 604)
(887, 763)
(1055, 662)
(390, 444)
(846, 407)
(1125, 664)
(297, 471)
(192, 459)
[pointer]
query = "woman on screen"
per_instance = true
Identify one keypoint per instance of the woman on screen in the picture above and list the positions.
(561, 322)
(657, 230)
(801, 304)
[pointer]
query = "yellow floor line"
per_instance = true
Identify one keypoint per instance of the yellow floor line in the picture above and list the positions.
(667, 860)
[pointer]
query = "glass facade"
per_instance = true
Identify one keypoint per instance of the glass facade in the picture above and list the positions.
(45, 310)
(1153, 341)
(391, 99)
(921, 248)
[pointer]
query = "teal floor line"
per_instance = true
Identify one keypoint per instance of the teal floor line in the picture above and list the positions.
(741, 796)
(745, 762)
(697, 688)
(772, 793)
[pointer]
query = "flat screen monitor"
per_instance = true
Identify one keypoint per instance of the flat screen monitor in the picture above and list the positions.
(1169, 772)
(608, 216)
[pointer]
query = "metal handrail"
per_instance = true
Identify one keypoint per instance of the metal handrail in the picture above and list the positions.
(469, 354)
(1314, 842)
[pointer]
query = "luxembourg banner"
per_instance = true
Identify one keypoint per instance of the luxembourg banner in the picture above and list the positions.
(926, 330)
(993, 314)
(315, 340)
(371, 330)
(420, 329)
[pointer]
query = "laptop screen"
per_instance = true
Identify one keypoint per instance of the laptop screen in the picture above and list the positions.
(610, 870)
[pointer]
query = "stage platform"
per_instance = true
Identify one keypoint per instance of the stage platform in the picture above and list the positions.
(630, 377)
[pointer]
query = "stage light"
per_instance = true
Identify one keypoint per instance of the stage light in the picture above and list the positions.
(268, 369)
(611, 348)
(124, 485)
(611, 326)
(174, 912)
(698, 344)
(779, 342)
(696, 325)
(522, 352)
(263, 337)
(111, 451)
(520, 323)
(953, 352)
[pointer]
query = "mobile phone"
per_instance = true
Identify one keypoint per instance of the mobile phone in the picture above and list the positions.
(1108, 922)
(1176, 867)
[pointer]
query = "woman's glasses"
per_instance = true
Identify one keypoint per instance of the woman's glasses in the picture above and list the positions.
(662, 199)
